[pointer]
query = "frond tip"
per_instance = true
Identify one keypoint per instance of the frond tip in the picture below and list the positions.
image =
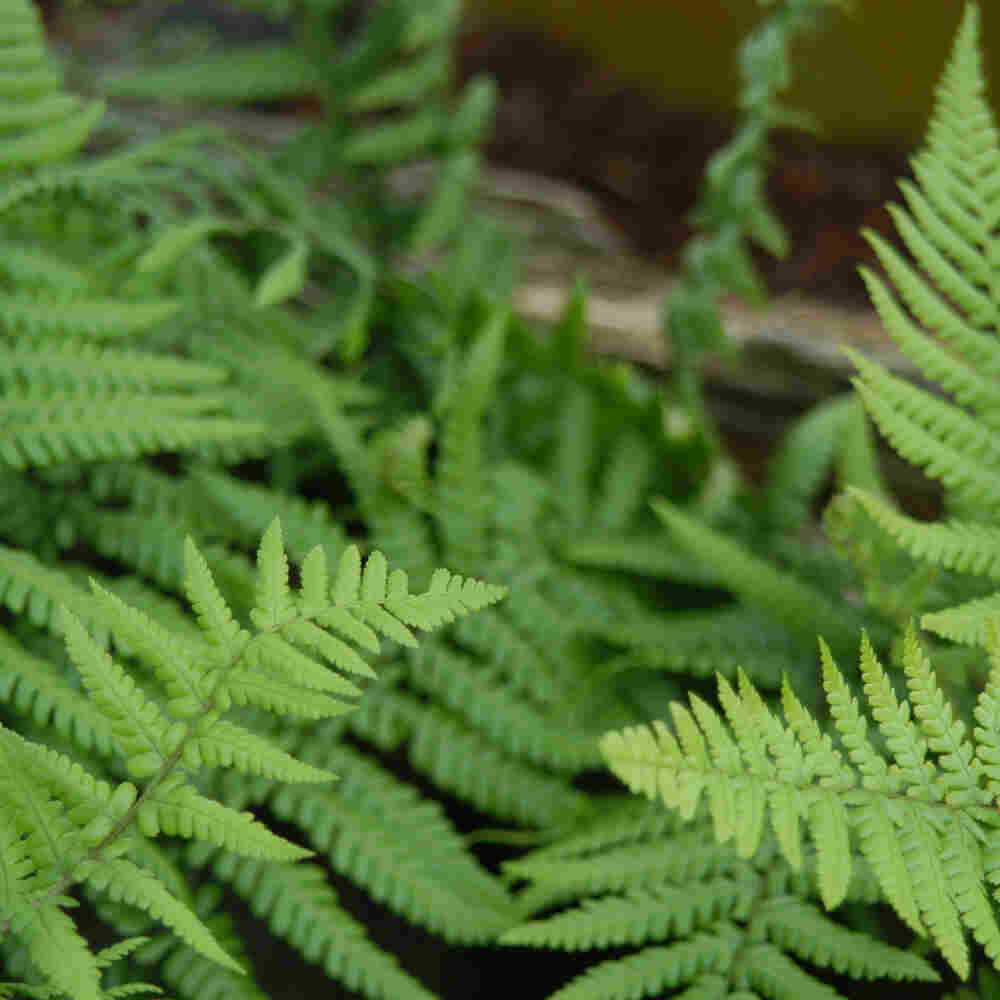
(922, 812)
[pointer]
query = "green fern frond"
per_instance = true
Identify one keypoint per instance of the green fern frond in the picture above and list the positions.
(802, 462)
(459, 759)
(59, 951)
(368, 826)
(947, 443)
(777, 594)
(37, 123)
(461, 684)
(703, 642)
(459, 505)
(922, 822)
(636, 917)
(122, 880)
(966, 623)
(96, 319)
(70, 363)
(48, 427)
(964, 546)
(300, 906)
(31, 686)
(249, 509)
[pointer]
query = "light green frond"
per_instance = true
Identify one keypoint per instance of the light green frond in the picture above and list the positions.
(947, 443)
(60, 952)
(209, 605)
(176, 809)
(123, 881)
(232, 746)
(31, 686)
(770, 973)
(272, 655)
(274, 603)
(965, 623)
(964, 546)
(968, 381)
(174, 660)
(140, 729)
(987, 713)
(119, 950)
(250, 687)
(448, 597)
(920, 818)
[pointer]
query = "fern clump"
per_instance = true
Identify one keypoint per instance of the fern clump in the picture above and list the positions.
(65, 826)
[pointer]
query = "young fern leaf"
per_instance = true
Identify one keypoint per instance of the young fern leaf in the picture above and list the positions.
(922, 813)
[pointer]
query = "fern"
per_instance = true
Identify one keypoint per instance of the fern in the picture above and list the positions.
(923, 823)
(939, 309)
(701, 916)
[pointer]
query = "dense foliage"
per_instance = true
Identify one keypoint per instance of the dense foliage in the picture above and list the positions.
(254, 400)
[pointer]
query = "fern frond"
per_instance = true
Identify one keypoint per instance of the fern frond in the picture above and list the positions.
(960, 545)
(464, 687)
(778, 594)
(923, 823)
(966, 623)
(638, 916)
(370, 826)
(802, 462)
(70, 363)
(97, 319)
(652, 970)
(947, 443)
(176, 809)
(250, 509)
(59, 951)
(459, 759)
(41, 427)
(32, 687)
(120, 879)
(300, 906)
(459, 504)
